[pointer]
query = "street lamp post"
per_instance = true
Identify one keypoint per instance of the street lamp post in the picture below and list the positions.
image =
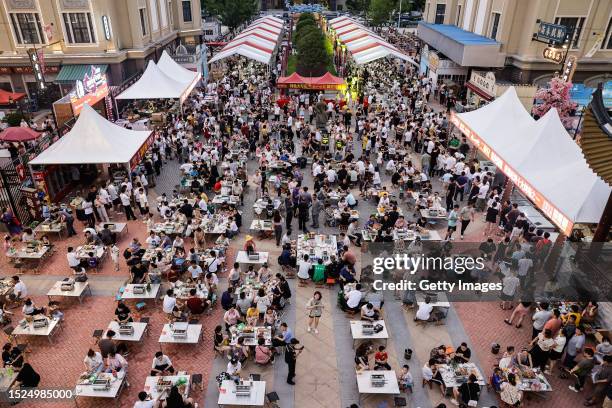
(399, 16)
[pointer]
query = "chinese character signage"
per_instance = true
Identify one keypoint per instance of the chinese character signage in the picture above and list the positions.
(552, 32)
(89, 90)
(553, 54)
(549, 210)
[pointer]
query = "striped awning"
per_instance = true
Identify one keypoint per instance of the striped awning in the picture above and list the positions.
(363, 45)
(257, 42)
(74, 72)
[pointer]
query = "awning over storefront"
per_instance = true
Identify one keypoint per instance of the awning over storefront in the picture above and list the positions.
(71, 73)
(479, 92)
(257, 42)
(363, 45)
(539, 157)
(463, 47)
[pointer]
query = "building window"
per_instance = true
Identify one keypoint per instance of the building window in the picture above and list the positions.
(607, 41)
(79, 28)
(187, 11)
(27, 28)
(458, 15)
(495, 17)
(143, 21)
(440, 10)
(574, 25)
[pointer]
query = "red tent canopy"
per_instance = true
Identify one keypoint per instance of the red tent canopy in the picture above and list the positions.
(296, 81)
(18, 134)
(6, 96)
(294, 78)
(328, 79)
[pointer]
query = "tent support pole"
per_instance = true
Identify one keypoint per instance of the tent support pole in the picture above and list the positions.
(602, 231)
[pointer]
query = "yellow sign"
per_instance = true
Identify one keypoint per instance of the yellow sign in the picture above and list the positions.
(434, 61)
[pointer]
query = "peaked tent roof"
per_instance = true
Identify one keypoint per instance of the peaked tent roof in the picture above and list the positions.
(154, 84)
(328, 79)
(543, 154)
(294, 78)
(366, 46)
(174, 70)
(257, 42)
(93, 139)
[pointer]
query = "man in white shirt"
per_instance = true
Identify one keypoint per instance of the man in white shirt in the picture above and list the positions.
(331, 176)
(125, 202)
(145, 402)
(481, 197)
(424, 311)
(73, 261)
(195, 270)
(233, 368)
(353, 298)
(169, 302)
(304, 268)
(161, 365)
(19, 289)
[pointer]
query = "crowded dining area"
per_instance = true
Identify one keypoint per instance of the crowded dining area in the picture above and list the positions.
(225, 256)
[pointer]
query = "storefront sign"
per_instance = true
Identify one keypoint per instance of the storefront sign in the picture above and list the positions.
(89, 90)
(106, 27)
(140, 154)
(553, 54)
(28, 70)
(434, 61)
(5, 70)
(552, 32)
(552, 212)
(569, 68)
(484, 82)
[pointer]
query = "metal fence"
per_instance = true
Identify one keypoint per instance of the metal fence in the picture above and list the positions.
(11, 195)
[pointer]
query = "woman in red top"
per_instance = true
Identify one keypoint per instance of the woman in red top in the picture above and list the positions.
(380, 359)
(217, 186)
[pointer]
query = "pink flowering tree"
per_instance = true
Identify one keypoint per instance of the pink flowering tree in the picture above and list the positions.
(557, 96)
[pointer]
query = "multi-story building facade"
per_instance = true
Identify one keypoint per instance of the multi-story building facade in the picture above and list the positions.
(120, 36)
(512, 23)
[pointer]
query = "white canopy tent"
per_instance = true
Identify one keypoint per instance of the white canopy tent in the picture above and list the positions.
(155, 84)
(540, 157)
(363, 45)
(257, 42)
(94, 140)
(181, 74)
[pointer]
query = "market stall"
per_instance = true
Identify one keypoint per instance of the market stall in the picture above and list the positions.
(92, 141)
(259, 41)
(363, 45)
(539, 157)
(325, 82)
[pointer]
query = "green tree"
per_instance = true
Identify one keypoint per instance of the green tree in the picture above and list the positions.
(380, 11)
(231, 13)
(358, 5)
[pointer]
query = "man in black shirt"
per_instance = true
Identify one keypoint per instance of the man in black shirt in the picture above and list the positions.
(138, 272)
(187, 209)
